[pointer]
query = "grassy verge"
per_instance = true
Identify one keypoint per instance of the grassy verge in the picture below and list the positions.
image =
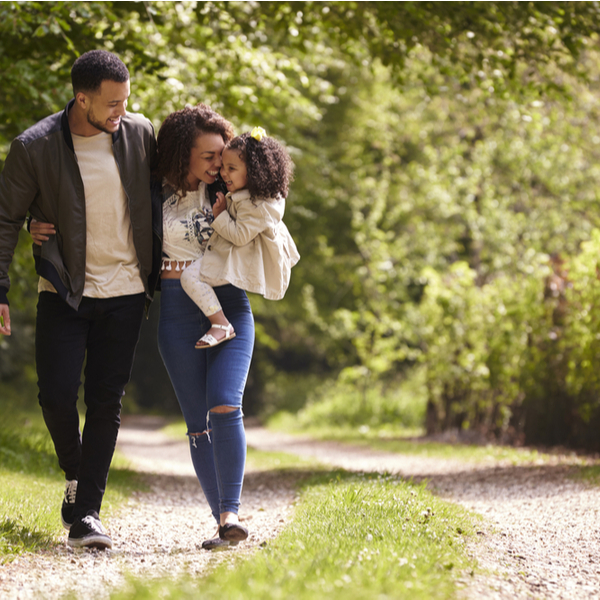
(352, 537)
(31, 485)
(590, 474)
(397, 439)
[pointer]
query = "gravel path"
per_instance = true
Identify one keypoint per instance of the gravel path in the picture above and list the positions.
(540, 536)
(158, 533)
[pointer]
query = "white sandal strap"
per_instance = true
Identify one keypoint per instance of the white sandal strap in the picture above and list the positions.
(208, 339)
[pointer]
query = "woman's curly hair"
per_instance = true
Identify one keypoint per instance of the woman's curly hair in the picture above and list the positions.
(176, 138)
(269, 166)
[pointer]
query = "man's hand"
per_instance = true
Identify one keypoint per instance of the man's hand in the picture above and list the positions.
(40, 232)
(4, 319)
(220, 205)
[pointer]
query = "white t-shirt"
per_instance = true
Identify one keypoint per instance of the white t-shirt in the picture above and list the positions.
(111, 264)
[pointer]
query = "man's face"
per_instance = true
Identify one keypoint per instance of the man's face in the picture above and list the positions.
(107, 106)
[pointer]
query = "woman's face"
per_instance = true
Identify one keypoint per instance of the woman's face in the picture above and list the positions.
(234, 172)
(205, 159)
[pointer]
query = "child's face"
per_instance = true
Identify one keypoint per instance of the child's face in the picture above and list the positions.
(233, 171)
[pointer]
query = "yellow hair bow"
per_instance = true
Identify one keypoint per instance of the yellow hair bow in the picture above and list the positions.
(258, 133)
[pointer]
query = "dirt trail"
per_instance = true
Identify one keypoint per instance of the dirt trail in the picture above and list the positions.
(157, 533)
(540, 537)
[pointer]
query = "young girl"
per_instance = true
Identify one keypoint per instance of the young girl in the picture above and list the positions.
(251, 247)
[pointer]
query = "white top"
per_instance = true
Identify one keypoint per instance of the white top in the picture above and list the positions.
(187, 227)
(111, 264)
(186, 224)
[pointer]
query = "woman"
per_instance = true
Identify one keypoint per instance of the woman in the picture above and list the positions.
(209, 385)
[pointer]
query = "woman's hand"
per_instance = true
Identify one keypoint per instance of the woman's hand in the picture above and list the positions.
(40, 232)
(220, 205)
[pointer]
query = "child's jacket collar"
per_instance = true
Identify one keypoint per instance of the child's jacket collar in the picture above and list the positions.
(239, 195)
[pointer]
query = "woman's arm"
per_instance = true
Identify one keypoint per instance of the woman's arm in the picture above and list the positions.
(40, 231)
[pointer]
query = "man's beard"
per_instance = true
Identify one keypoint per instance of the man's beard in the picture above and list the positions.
(97, 124)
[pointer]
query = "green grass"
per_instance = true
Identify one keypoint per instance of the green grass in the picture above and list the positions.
(357, 537)
(352, 537)
(29, 518)
(176, 429)
(590, 474)
(389, 418)
(32, 484)
(400, 440)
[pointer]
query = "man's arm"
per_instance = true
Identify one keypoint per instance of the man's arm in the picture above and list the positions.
(18, 189)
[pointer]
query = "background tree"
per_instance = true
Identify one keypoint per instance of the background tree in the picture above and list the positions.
(445, 192)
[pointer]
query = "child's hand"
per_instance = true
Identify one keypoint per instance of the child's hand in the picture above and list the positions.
(220, 205)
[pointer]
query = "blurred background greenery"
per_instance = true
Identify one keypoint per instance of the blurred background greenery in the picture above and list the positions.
(445, 205)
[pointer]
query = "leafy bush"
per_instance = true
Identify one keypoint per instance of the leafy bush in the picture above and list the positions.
(357, 402)
(518, 357)
(477, 346)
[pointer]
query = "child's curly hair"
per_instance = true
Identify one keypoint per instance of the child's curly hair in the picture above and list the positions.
(269, 166)
(176, 138)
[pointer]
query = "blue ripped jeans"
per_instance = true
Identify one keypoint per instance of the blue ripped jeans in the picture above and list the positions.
(205, 379)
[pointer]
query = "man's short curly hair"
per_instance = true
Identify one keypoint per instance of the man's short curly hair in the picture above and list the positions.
(270, 168)
(93, 67)
(176, 138)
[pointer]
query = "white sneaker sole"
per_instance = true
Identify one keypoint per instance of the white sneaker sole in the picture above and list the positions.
(102, 542)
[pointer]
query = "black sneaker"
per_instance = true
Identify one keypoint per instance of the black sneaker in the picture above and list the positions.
(217, 544)
(88, 532)
(68, 505)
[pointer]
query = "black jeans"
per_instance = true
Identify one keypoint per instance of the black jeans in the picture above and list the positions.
(107, 330)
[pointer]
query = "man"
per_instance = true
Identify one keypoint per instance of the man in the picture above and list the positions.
(85, 173)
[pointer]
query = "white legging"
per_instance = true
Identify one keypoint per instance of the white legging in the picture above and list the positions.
(199, 291)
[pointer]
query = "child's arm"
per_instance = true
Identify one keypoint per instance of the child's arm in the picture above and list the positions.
(251, 220)
(220, 205)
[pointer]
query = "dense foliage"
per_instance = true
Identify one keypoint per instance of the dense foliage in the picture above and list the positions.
(445, 203)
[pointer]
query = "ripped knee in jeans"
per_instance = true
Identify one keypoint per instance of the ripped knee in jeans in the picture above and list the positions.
(223, 409)
(194, 436)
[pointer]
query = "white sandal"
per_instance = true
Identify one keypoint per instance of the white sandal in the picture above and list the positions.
(211, 342)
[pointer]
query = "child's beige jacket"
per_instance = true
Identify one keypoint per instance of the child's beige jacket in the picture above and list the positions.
(251, 247)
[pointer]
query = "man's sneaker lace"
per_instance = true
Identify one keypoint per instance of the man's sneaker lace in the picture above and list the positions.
(89, 532)
(68, 504)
